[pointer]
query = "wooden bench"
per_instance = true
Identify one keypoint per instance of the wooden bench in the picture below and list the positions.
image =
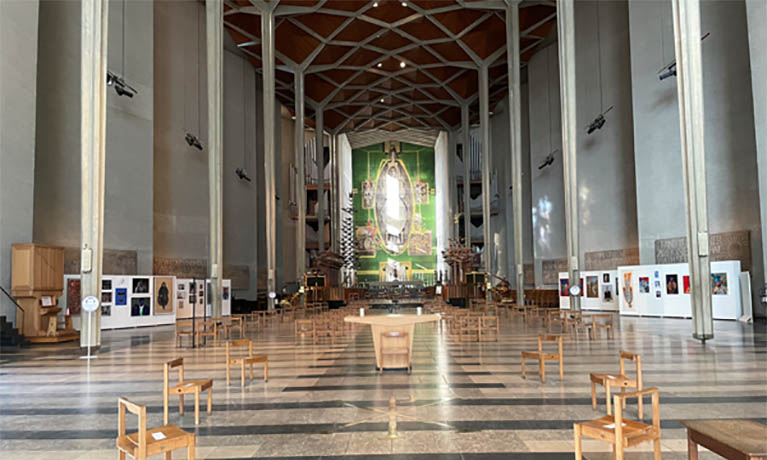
(734, 439)
(145, 443)
(184, 387)
(542, 357)
(244, 361)
(620, 432)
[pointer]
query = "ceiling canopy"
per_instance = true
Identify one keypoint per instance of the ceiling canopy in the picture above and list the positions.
(388, 65)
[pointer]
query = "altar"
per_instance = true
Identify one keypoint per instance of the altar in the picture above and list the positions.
(385, 324)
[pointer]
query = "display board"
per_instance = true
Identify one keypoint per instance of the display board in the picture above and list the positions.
(134, 301)
(598, 290)
(664, 290)
(394, 219)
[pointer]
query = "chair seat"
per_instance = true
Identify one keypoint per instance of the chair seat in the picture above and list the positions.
(394, 351)
(544, 356)
(174, 438)
(255, 359)
(634, 432)
(189, 386)
(615, 380)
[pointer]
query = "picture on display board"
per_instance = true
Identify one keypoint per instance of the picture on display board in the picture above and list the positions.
(628, 290)
(106, 297)
(163, 296)
(592, 287)
(672, 284)
(225, 294)
(139, 306)
(106, 285)
(564, 287)
(719, 283)
(657, 294)
(368, 194)
(106, 310)
(657, 274)
(606, 278)
(580, 285)
(607, 292)
(644, 285)
(141, 285)
(180, 294)
(686, 284)
(121, 296)
(656, 285)
(181, 287)
(73, 296)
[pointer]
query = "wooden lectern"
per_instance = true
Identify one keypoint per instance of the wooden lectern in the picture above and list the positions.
(37, 281)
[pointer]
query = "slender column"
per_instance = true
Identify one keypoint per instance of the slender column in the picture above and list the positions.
(484, 129)
(466, 174)
(320, 143)
(215, 50)
(566, 26)
(451, 146)
(690, 95)
(267, 53)
(93, 66)
(301, 179)
(334, 222)
(515, 136)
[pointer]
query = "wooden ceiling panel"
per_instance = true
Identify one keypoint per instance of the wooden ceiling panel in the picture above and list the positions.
(321, 23)
(330, 54)
(362, 58)
(247, 22)
(487, 37)
(451, 51)
(317, 88)
(294, 42)
(389, 11)
(390, 41)
(339, 75)
(532, 15)
(465, 85)
(357, 31)
(458, 20)
(421, 56)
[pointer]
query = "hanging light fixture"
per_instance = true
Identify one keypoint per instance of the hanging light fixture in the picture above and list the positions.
(118, 83)
(600, 120)
(192, 139)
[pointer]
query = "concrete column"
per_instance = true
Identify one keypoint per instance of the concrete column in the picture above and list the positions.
(484, 130)
(566, 32)
(451, 190)
(214, 28)
(93, 66)
(267, 53)
(687, 34)
(515, 137)
(320, 144)
(298, 84)
(466, 174)
(334, 222)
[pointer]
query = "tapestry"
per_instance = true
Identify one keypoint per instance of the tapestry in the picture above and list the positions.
(395, 217)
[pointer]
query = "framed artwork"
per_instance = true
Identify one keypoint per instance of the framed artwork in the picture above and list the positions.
(225, 294)
(163, 296)
(592, 287)
(657, 294)
(657, 274)
(672, 284)
(181, 287)
(139, 306)
(686, 284)
(180, 294)
(719, 283)
(106, 297)
(106, 285)
(141, 285)
(607, 292)
(106, 310)
(628, 289)
(564, 287)
(644, 285)
(73, 296)
(657, 284)
(121, 296)
(606, 278)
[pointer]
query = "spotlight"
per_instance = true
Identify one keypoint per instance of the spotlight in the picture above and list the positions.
(598, 122)
(402, 65)
(404, 3)
(121, 88)
(375, 4)
(379, 65)
(193, 141)
(382, 99)
(548, 161)
(242, 174)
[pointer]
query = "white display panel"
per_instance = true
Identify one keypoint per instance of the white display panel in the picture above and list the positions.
(663, 290)
(598, 291)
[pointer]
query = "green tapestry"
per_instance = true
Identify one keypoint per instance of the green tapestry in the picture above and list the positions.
(394, 219)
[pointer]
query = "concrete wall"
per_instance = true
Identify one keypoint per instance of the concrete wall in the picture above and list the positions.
(607, 203)
(729, 126)
(129, 142)
(18, 89)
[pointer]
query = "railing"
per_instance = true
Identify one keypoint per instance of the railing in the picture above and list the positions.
(14, 317)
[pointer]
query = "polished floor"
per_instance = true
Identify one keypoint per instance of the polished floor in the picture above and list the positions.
(462, 400)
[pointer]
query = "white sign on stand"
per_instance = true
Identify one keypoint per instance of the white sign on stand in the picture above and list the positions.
(89, 305)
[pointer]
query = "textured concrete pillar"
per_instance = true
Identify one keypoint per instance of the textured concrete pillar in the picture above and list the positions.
(484, 131)
(214, 14)
(301, 177)
(267, 53)
(465, 149)
(320, 144)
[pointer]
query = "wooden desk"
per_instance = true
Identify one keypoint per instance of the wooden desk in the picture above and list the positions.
(734, 439)
(392, 323)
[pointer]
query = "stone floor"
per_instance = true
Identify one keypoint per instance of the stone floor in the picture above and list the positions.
(462, 401)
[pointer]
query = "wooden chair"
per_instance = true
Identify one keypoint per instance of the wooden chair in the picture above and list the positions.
(395, 343)
(491, 328)
(556, 317)
(620, 432)
(470, 327)
(243, 361)
(322, 329)
(601, 321)
(620, 380)
(184, 328)
(207, 329)
(575, 323)
(145, 443)
(183, 387)
(236, 322)
(304, 327)
(542, 357)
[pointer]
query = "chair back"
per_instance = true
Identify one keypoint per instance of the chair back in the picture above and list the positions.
(238, 343)
(184, 326)
(167, 367)
(553, 338)
(125, 405)
(618, 400)
(627, 355)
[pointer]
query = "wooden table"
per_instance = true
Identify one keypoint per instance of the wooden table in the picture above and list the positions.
(734, 439)
(380, 324)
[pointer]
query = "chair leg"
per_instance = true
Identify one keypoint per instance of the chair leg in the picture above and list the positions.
(165, 407)
(210, 400)
(561, 369)
(593, 395)
(181, 404)
(197, 406)
(242, 373)
(266, 371)
(578, 438)
(656, 449)
(542, 365)
(619, 452)
(190, 449)
(228, 379)
(167, 455)
(608, 398)
(523, 366)
(121, 454)
(639, 403)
